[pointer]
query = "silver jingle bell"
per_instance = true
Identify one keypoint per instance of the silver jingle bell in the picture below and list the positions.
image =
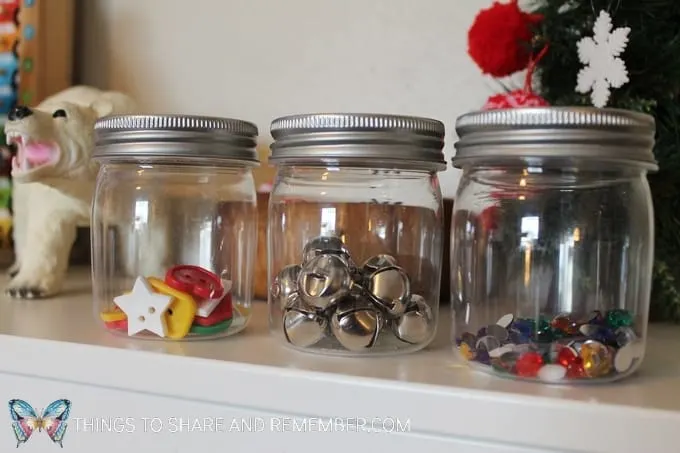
(416, 325)
(303, 327)
(378, 262)
(324, 280)
(324, 245)
(390, 287)
(356, 324)
(285, 285)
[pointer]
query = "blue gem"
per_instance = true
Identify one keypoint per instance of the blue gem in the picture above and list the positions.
(29, 3)
(483, 356)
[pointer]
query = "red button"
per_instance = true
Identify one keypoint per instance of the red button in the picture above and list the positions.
(222, 312)
(196, 281)
(117, 325)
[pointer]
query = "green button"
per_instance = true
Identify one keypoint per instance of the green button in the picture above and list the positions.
(211, 330)
(28, 64)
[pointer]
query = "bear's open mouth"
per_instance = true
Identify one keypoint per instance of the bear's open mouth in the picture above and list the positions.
(31, 154)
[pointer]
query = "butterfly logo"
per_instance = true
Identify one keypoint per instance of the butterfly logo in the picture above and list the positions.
(25, 420)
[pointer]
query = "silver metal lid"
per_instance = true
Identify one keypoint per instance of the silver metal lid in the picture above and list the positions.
(561, 135)
(176, 139)
(358, 139)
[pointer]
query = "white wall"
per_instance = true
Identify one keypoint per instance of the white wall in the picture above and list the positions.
(258, 59)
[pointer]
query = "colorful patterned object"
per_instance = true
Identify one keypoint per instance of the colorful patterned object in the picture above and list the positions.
(25, 420)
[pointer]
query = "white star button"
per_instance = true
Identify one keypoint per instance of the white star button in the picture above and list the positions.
(144, 309)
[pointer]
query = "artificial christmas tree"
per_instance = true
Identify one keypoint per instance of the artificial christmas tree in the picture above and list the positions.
(613, 53)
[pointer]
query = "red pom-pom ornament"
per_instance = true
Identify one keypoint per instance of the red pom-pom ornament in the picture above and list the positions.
(524, 98)
(515, 99)
(499, 40)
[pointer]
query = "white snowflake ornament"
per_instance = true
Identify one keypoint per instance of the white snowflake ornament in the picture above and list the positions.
(601, 54)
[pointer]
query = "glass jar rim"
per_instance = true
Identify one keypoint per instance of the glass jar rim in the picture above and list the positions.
(178, 138)
(582, 135)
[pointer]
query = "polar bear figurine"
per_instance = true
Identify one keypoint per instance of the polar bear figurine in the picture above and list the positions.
(54, 180)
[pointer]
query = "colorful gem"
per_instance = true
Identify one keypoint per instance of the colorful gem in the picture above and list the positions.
(500, 333)
(488, 343)
(597, 359)
(619, 318)
(27, 97)
(498, 352)
(180, 313)
(509, 360)
(517, 337)
(625, 335)
(28, 64)
(552, 373)
(145, 309)
(29, 3)
(563, 323)
(113, 315)
(468, 338)
(482, 332)
(529, 364)
(482, 356)
(575, 370)
(595, 317)
(466, 351)
(566, 356)
(505, 321)
(497, 365)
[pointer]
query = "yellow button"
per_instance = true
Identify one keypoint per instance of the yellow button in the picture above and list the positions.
(112, 316)
(181, 311)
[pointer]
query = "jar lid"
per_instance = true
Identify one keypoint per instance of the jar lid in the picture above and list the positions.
(358, 139)
(175, 138)
(562, 135)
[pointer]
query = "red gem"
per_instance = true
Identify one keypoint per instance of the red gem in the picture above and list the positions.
(567, 357)
(529, 364)
(222, 312)
(561, 323)
(575, 370)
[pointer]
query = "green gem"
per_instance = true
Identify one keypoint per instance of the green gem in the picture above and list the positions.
(545, 336)
(497, 365)
(619, 318)
(26, 97)
(28, 64)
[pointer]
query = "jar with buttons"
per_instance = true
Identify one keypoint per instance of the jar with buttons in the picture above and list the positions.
(355, 232)
(174, 225)
(552, 243)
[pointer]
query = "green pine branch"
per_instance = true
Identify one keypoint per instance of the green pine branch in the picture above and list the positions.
(653, 62)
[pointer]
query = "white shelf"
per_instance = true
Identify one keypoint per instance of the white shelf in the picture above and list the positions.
(57, 340)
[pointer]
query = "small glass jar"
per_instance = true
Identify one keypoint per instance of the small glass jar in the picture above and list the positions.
(552, 243)
(174, 226)
(355, 232)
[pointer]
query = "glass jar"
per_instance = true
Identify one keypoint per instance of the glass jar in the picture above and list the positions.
(355, 232)
(552, 243)
(174, 226)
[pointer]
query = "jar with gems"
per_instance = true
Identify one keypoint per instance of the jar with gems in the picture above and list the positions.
(355, 232)
(174, 226)
(552, 242)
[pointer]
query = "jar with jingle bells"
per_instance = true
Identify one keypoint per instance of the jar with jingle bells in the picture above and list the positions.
(174, 226)
(552, 243)
(355, 220)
